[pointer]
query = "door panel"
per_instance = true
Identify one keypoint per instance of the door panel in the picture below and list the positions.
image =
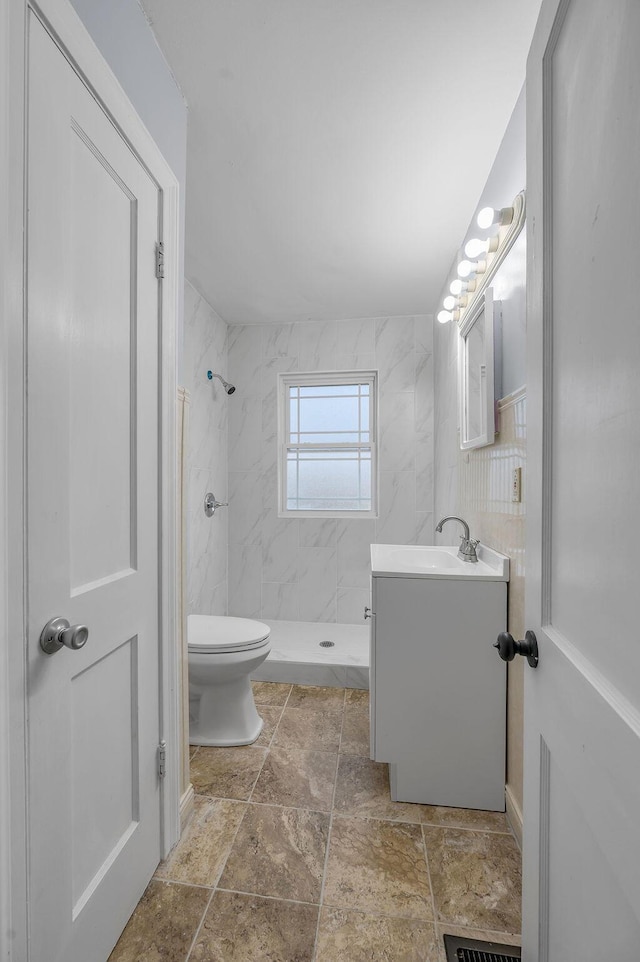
(581, 896)
(102, 368)
(92, 368)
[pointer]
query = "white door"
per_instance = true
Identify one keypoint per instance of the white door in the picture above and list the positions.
(582, 704)
(92, 461)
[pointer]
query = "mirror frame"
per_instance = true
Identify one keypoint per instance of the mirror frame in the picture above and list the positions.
(472, 306)
(487, 312)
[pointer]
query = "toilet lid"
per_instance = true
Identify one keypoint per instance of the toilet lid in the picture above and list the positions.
(209, 633)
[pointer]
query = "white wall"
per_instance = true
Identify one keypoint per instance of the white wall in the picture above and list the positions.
(310, 569)
(507, 178)
(205, 348)
(475, 485)
(121, 32)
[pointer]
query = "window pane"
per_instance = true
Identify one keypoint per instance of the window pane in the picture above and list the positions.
(338, 480)
(364, 415)
(317, 418)
(328, 414)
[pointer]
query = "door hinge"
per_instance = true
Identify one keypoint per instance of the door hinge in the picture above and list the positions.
(162, 759)
(159, 260)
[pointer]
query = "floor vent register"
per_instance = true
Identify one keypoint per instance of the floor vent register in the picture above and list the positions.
(470, 950)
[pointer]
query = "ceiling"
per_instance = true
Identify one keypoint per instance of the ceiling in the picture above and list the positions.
(337, 148)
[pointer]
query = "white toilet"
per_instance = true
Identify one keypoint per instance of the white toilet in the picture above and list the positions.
(223, 651)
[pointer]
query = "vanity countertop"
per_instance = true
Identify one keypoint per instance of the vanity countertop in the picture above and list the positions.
(437, 561)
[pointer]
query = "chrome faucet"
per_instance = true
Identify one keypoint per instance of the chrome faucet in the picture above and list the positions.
(467, 549)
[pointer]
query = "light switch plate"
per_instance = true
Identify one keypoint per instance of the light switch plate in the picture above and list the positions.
(516, 485)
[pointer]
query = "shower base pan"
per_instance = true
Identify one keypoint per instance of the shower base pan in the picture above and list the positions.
(315, 653)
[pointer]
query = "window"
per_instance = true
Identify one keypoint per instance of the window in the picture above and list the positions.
(327, 435)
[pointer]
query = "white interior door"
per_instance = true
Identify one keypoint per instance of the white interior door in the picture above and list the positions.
(92, 459)
(582, 704)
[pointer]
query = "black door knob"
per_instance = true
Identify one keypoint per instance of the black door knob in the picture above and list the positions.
(508, 647)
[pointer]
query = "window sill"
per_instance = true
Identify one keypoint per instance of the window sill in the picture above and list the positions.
(330, 515)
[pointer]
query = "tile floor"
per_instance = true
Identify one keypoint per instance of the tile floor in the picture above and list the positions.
(296, 853)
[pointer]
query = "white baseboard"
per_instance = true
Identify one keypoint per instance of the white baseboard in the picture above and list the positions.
(186, 807)
(514, 815)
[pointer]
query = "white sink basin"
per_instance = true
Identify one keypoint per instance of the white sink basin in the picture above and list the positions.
(428, 558)
(437, 561)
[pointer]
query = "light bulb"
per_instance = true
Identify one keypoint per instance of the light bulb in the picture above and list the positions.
(475, 247)
(465, 268)
(487, 216)
(445, 316)
(449, 302)
(456, 287)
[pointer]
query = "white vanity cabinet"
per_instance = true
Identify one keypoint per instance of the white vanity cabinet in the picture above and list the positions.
(438, 687)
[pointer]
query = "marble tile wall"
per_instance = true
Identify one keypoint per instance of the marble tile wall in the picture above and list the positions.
(310, 569)
(205, 348)
(476, 485)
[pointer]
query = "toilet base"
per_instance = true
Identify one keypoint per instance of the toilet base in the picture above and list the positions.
(224, 715)
(232, 742)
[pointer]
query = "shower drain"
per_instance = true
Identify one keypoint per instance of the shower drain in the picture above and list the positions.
(327, 644)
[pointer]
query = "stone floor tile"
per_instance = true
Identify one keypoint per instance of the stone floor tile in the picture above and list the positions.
(464, 818)
(362, 788)
(270, 715)
(476, 878)
(448, 928)
(378, 867)
(248, 928)
(355, 732)
(348, 936)
(278, 852)
(310, 730)
(200, 854)
(357, 699)
(298, 779)
(316, 698)
(226, 772)
(163, 925)
(270, 692)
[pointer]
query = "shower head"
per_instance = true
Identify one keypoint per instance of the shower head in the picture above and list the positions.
(229, 388)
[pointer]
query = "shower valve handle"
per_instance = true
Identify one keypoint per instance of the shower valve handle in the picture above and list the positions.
(210, 504)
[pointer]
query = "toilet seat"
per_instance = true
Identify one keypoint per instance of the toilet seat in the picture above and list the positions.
(220, 634)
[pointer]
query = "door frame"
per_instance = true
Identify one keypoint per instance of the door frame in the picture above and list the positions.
(71, 35)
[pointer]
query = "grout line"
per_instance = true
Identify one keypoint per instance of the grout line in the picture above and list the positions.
(213, 890)
(271, 898)
(368, 817)
(275, 727)
(433, 897)
(255, 781)
(175, 881)
(326, 857)
(197, 932)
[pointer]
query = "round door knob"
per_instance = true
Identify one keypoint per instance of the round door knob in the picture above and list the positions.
(508, 647)
(58, 633)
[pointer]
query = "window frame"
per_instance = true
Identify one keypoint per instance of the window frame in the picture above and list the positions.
(323, 379)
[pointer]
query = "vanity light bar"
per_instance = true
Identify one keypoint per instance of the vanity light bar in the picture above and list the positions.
(468, 269)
